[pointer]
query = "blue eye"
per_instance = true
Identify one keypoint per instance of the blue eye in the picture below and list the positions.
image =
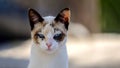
(58, 36)
(41, 36)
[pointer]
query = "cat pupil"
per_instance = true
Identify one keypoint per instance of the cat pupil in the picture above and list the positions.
(57, 36)
(41, 36)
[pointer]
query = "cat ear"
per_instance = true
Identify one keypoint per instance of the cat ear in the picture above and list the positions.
(64, 17)
(34, 17)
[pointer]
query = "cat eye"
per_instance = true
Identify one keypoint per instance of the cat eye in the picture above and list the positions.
(41, 36)
(58, 37)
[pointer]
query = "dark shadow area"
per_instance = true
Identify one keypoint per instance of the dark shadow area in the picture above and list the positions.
(13, 21)
(10, 44)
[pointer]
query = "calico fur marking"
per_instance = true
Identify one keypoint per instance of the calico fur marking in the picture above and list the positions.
(49, 24)
(46, 29)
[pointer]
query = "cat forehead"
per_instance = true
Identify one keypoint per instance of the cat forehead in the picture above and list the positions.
(48, 25)
(52, 24)
(49, 19)
(50, 29)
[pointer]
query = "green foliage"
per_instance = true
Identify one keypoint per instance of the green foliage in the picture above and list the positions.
(110, 15)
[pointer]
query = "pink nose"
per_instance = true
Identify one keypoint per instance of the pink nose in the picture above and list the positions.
(48, 45)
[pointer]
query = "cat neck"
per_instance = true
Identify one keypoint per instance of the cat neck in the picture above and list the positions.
(39, 59)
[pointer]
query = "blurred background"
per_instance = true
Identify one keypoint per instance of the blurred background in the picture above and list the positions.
(93, 38)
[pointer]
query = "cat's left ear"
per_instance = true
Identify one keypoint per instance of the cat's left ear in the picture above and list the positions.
(64, 17)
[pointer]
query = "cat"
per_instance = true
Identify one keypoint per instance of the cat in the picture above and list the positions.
(49, 36)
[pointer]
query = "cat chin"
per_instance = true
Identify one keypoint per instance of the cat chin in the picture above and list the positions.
(50, 51)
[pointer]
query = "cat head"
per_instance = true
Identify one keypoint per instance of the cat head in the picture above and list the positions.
(49, 33)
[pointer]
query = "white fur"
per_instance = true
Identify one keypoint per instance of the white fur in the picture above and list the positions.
(54, 58)
(49, 19)
(40, 59)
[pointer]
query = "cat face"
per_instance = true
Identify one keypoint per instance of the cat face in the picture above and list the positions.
(49, 33)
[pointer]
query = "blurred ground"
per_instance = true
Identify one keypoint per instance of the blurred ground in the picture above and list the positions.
(95, 51)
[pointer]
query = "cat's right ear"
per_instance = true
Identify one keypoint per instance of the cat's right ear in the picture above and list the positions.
(34, 17)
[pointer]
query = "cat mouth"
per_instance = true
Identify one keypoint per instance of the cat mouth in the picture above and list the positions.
(49, 49)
